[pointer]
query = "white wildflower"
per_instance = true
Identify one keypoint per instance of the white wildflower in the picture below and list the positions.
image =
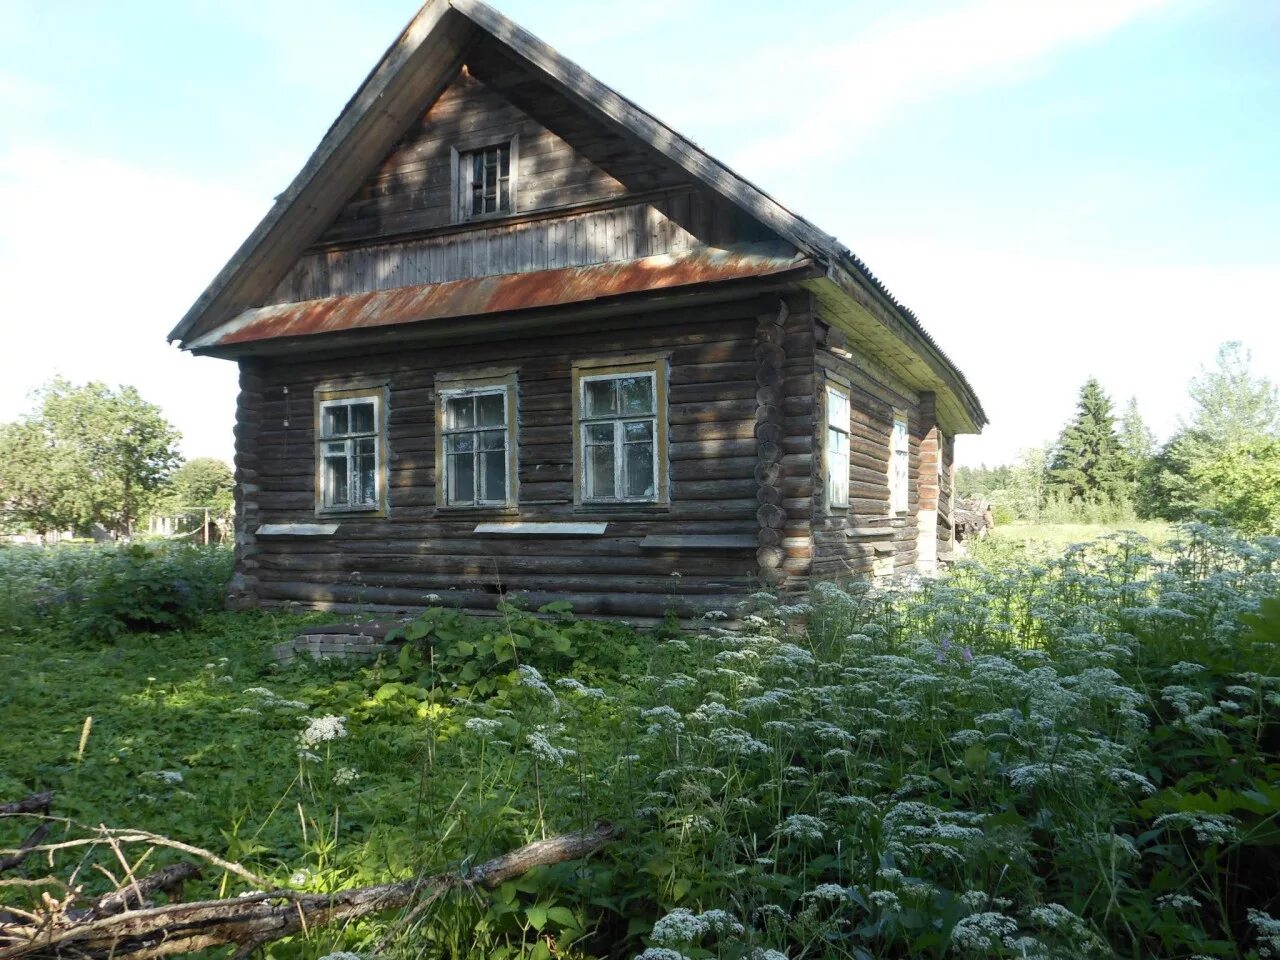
(170, 777)
(323, 730)
(721, 922)
(345, 776)
(680, 926)
(800, 826)
(483, 725)
(981, 931)
(828, 891)
(661, 953)
(544, 750)
(886, 900)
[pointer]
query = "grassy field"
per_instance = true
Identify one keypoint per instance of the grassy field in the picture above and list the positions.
(1059, 535)
(1076, 757)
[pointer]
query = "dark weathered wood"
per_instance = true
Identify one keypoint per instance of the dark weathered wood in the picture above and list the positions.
(254, 920)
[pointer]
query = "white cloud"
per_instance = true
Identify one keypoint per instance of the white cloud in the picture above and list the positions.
(852, 87)
(1028, 329)
(98, 261)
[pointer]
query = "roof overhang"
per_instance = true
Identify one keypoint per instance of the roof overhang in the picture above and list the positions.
(517, 293)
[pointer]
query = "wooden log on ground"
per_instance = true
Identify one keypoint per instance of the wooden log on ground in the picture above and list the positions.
(251, 921)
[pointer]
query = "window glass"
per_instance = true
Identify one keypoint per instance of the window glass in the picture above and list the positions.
(335, 420)
(602, 398)
(475, 446)
(486, 176)
(836, 453)
(348, 444)
(619, 432)
(637, 394)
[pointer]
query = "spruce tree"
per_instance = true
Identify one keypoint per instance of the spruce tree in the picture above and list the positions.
(1089, 465)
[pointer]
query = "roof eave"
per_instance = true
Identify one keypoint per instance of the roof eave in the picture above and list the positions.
(846, 294)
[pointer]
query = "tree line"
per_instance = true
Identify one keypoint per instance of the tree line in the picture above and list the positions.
(91, 456)
(1225, 457)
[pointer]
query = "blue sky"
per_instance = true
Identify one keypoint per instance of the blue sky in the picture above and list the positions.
(1059, 189)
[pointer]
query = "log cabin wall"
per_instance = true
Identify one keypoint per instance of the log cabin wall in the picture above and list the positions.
(865, 539)
(397, 561)
(946, 496)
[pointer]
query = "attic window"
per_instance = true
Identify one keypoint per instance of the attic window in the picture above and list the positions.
(485, 181)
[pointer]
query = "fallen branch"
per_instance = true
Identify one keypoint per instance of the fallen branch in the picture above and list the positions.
(36, 803)
(28, 847)
(251, 921)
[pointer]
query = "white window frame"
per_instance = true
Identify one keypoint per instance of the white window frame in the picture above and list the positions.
(619, 437)
(836, 462)
(446, 432)
(899, 464)
(489, 380)
(463, 172)
(327, 400)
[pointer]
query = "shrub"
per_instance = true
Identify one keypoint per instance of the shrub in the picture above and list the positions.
(101, 592)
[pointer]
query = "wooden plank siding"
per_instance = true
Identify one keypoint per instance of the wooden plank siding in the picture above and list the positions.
(420, 549)
(412, 189)
(673, 222)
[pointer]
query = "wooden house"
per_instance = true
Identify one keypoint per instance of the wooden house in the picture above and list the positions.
(507, 332)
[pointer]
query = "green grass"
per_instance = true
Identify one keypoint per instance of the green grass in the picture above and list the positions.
(1059, 535)
(1061, 757)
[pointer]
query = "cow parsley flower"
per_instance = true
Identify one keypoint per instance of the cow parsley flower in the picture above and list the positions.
(170, 777)
(981, 931)
(483, 725)
(801, 826)
(661, 953)
(345, 776)
(828, 891)
(323, 730)
(680, 926)
(544, 750)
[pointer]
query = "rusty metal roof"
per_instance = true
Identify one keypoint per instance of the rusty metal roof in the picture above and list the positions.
(492, 295)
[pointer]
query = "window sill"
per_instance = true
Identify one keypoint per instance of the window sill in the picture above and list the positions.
(542, 529)
(296, 530)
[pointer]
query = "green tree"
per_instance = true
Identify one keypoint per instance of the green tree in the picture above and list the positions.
(1232, 406)
(202, 482)
(1234, 412)
(1242, 483)
(1088, 463)
(87, 454)
(1136, 440)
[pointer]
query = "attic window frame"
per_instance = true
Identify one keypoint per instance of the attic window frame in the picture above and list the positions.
(460, 167)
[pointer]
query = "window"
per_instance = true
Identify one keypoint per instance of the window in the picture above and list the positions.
(485, 180)
(899, 462)
(349, 451)
(837, 448)
(621, 422)
(476, 441)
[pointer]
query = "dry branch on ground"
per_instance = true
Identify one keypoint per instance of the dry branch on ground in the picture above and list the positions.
(122, 924)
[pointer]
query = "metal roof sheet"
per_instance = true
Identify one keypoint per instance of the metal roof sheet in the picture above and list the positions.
(491, 295)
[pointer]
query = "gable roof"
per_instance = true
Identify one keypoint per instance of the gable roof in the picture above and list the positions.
(413, 71)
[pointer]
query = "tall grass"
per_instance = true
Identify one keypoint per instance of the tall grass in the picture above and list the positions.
(1075, 757)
